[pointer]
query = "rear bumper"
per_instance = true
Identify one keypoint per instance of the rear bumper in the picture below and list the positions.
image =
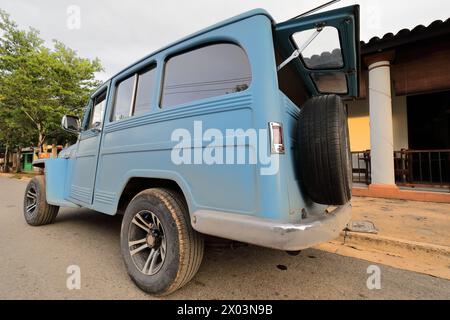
(272, 234)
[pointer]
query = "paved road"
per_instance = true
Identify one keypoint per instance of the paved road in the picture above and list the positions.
(33, 263)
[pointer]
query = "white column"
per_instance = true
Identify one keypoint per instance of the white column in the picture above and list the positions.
(381, 133)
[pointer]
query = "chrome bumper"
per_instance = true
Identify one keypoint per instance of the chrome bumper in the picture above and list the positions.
(272, 234)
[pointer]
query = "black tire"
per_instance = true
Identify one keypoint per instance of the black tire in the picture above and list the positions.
(324, 151)
(183, 246)
(36, 210)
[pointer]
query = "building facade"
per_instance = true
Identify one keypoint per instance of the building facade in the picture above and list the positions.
(400, 125)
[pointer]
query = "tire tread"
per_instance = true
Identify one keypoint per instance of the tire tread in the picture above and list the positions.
(324, 150)
(46, 213)
(191, 245)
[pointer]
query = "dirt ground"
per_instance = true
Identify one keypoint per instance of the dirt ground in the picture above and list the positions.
(410, 220)
(411, 235)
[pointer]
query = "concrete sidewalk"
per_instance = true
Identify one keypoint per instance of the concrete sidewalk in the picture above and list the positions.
(409, 220)
(411, 235)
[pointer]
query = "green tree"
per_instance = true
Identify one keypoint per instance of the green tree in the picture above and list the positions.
(38, 85)
(14, 46)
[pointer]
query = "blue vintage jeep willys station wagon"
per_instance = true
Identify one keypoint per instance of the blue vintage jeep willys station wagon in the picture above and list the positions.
(237, 131)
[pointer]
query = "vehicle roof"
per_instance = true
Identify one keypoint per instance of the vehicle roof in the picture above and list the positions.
(221, 24)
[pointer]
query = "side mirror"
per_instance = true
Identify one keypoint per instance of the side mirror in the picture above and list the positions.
(71, 124)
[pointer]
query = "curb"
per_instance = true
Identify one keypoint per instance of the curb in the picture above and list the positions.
(382, 243)
(395, 193)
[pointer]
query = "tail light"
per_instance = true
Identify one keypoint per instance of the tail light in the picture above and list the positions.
(276, 137)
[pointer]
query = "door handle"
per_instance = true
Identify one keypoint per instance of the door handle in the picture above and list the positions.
(96, 130)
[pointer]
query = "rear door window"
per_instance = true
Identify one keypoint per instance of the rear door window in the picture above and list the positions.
(324, 52)
(329, 50)
(330, 82)
(209, 71)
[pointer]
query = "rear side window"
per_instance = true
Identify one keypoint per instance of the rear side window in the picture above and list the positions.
(144, 90)
(206, 72)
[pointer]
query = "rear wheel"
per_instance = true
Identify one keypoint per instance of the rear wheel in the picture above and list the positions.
(36, 210)
(160, 249)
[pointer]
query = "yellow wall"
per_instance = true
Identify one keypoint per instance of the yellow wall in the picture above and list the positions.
(359, 124)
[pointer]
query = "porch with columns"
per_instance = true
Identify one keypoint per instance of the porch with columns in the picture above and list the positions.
(395, 70)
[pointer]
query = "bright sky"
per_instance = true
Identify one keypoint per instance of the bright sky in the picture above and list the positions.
(121, 32)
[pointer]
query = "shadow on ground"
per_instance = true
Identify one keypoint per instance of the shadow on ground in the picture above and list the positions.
(246, 272)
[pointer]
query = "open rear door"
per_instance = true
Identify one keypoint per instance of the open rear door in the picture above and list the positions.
(324, 48)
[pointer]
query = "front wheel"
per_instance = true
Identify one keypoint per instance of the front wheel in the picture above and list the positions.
(160, 249)
(36, 210)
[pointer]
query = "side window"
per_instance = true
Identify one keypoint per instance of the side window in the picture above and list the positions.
(134, 94)
(209, 71)
(144, 90)
(97, 111)
(123, 100)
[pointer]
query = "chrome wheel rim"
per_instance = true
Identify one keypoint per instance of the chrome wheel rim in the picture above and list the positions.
(147, 242)
(31, 202)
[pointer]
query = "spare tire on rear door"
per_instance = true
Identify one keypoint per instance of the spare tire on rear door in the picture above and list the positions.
(324, 150)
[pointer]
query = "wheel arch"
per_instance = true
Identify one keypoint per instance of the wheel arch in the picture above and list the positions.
(39, 163)
(137, 184)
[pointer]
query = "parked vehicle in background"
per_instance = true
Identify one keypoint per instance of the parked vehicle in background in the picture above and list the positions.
(161, 141)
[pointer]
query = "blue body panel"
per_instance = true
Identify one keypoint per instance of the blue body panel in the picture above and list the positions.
(58, 182)
(140, 147)
(85, 164)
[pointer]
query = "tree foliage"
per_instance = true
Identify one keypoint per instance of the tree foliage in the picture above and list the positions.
(38, 85)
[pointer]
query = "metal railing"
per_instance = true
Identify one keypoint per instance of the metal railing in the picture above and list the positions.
(361, 167)
(425, 168)
(413, 168)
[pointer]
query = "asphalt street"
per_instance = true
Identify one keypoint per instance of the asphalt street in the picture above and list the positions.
(34, 262)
